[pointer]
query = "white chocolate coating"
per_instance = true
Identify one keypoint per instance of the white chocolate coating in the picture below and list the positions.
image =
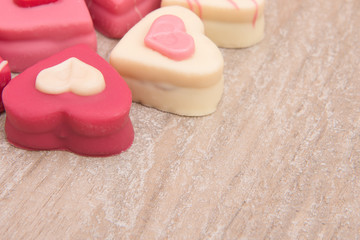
(229, 23)
(180, 100)
(73, 76)
(233, 34)
(193, 87)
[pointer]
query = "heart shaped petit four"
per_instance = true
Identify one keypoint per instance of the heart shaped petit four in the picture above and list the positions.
(184, 78)
(32, 33)
(114, 18)
(86, 110)
(229, 23)
(5, 77)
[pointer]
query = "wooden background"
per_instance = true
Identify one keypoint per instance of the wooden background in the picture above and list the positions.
(280, 159)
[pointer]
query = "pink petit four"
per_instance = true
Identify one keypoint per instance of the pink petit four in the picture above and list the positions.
(114, 18)
(73, 101)
(31, 30)
(5, 77)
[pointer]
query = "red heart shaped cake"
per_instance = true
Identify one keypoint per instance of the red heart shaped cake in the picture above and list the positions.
(114, 18)
(71, 101)
(41, 29)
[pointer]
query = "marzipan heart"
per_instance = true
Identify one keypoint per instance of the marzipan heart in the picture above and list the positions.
(73, 76)
(168, 36)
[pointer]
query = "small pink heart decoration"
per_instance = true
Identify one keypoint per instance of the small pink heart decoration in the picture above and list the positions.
(168, 36)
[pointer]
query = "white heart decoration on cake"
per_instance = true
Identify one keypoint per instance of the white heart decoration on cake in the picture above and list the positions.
(73, 76)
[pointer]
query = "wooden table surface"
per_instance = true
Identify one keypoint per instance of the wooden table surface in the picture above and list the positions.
(280, 159)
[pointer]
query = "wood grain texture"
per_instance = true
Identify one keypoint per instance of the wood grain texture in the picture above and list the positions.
(280, 159)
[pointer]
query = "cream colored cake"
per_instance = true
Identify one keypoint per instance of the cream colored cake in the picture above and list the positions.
(229, 23)
(192, 86)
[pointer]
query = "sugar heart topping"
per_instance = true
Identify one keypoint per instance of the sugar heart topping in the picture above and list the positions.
(73, 76)
(168, 36)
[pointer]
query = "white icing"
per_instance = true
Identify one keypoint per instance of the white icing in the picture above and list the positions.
(235, 35)
(3, 64)
(185, 101)
(73, 76)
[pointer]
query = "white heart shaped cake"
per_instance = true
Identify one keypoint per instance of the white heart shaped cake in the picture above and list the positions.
(169, 63)
(229, 23)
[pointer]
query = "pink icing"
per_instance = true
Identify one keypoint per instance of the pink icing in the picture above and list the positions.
(28, 35)
(234, 4)
(256, 9)
(168, 36)
(198, 4)
(256, 12)
(114, 18)
(32, 3)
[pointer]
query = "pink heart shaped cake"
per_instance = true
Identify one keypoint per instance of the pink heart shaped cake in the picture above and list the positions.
(114, 18)
(31, 30)
(229, 23)
(71, 101)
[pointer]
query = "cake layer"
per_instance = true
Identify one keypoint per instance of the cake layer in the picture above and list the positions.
(184, 101)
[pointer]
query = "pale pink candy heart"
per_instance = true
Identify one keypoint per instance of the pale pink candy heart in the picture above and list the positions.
(167, 35)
